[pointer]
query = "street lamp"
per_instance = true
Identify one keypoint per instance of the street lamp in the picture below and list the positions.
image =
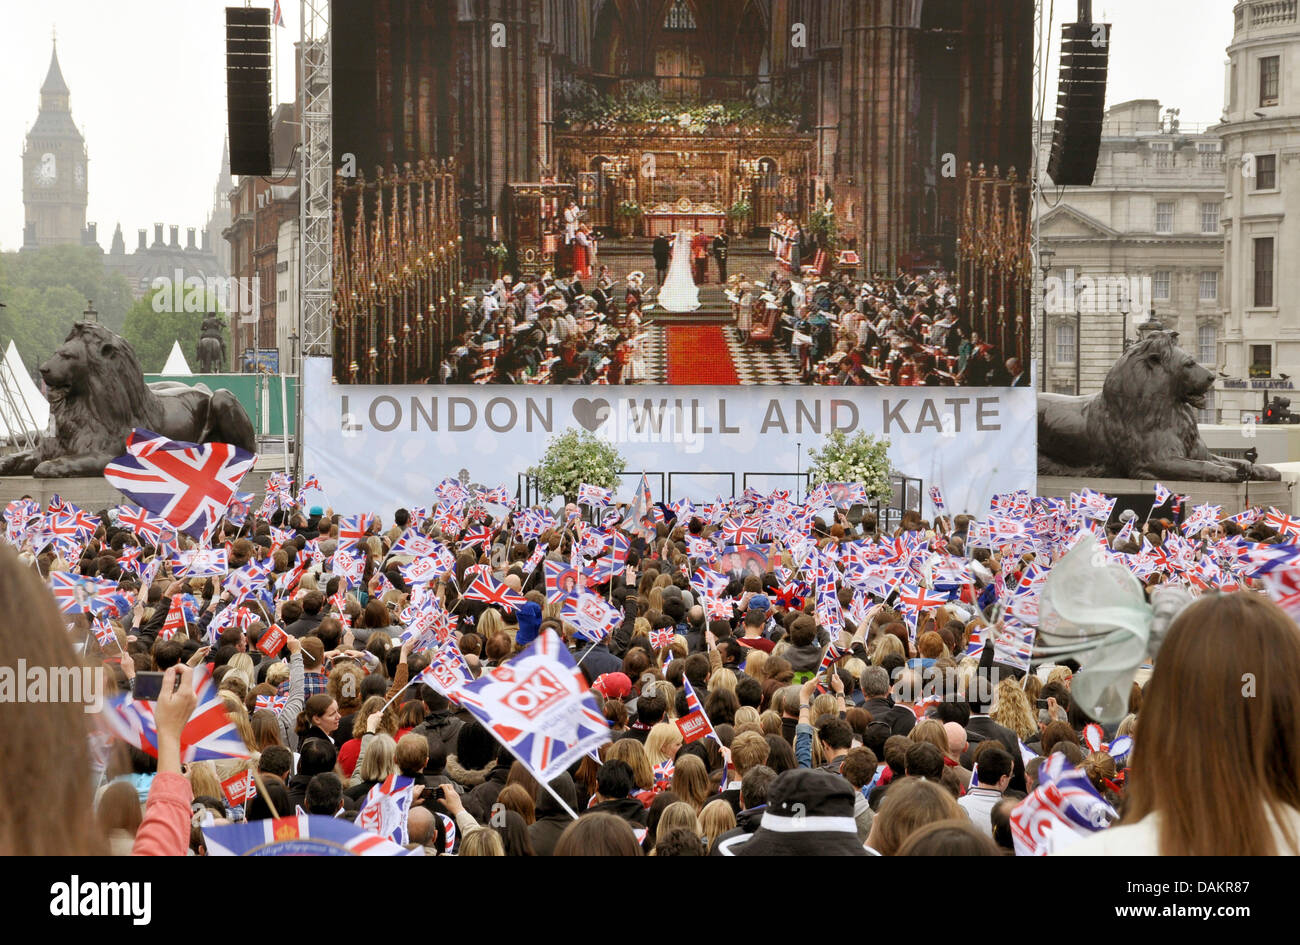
(1045, 256)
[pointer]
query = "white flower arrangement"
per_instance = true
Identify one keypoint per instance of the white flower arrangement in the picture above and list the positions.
(575, 457)
(862, 459)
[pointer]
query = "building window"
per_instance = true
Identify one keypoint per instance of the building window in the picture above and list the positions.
(284, 295)
(1207, 414)
(1065, 343)
(1067, 389)
(1268, 76)
(1160, 286)
(1164, 218)
(1261, 360)
(1211, 154)
(1264, 272)
(1266, 172)
(1209, 217)
(1206, 336)
(679, 17)
(1210, 285)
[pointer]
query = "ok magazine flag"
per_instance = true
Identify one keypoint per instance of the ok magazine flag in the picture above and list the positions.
(539, 707)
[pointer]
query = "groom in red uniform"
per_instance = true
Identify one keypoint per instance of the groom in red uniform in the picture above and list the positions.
(700, 257)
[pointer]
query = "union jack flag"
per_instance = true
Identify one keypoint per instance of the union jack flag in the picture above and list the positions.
(832, 656)
(144, 525)
(188, 484)
(309, 484)
(129, 559)
(915, 599)
(447, 518)
(209, 735)
(82, 522)
(104, 634)
(415, 544)
(936, 498)
(534, 559)
(740, 531)
(1283, 585)
(538, 706)
(423, 570)
(1162, 496)
(1281, 522)
(709, 582)
(661, 638)
(486, 589)
(477, 536)
(240, 507)
(555, 573)
(273, 703)
(352, 530)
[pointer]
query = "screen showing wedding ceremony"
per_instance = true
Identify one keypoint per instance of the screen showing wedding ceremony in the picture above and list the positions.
(731, 192)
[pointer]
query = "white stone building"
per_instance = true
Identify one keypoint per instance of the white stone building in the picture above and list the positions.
(1143, 240)
(1260, 345)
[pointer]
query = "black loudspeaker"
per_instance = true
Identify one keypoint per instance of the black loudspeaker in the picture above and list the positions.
(248, 89)
(1080, 103)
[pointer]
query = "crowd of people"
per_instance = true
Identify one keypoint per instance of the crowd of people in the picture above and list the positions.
(889, 729)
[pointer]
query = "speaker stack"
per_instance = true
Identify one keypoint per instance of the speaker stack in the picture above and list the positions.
(1081, 100)
(248, 89)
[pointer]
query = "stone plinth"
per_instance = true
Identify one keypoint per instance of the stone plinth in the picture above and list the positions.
(1234, 497)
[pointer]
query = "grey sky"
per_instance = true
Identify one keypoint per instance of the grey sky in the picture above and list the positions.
(148, 91)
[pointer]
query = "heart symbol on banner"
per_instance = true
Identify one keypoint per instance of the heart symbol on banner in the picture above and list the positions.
(590, 413)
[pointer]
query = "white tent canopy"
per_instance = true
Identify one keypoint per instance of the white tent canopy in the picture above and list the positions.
(176, 363)
(22, 407)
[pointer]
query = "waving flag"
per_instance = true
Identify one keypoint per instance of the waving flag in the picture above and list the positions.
(534, 559)
(80, 595)
(424, 570)
(447, 671)
(594, 495)
(418, 546)
(352, 531)
(240, 507)
(477, 536)
(695, 723)
(661, 638)
(1162, 496)
(385, 808)
(1062, 810)
(202, 562)
(592, 616)
(82, 523)
(640, 520)
(936, 499)
(562, 581)
(209, 735)
(147, 527)
(187, 484)
(487, 589)
(538, 706)
(301, 835)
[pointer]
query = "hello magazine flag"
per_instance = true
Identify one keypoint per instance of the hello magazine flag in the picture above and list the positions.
(538, 706)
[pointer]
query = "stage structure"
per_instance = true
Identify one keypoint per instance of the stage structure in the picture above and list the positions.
(995, 262)
(397, 274)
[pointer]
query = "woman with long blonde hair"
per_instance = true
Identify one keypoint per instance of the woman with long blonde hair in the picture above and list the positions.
(1011, 709)
(715, 819)
(691, 781)
(661, 743)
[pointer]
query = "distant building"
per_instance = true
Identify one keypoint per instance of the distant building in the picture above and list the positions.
(1260, 345)
(163, 258)
(54, 170)
(1143, 240)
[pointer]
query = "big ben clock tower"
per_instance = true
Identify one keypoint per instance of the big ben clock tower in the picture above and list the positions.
(54, 169)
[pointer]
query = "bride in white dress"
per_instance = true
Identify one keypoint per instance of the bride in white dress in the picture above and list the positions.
(679, 292)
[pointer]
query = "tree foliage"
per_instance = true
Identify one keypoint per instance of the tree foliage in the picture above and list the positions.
(151, 332)
(45, 291)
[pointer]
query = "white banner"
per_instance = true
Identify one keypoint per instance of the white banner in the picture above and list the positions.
(378, 448)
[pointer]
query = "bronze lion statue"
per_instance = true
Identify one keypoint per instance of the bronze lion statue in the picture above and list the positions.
(1141, 426)
(98, 396)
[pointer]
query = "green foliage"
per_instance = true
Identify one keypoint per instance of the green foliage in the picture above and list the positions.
(498, 251)
(824, 228)
(862, 458)
(45, 291)
(629, 209)
(739, 210)
(151, 333)
(575, 457)
(645, 104)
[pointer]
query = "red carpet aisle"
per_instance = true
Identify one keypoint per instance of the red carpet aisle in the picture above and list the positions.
(697, 354)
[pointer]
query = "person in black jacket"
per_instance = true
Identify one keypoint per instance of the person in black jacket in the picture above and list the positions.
(316, 755)
(875, 687)
(753, 800)
(551, 817)
(661, 249)
(981, 727)
(614, 784)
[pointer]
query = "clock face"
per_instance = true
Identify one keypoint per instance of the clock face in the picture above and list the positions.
(46, 171)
